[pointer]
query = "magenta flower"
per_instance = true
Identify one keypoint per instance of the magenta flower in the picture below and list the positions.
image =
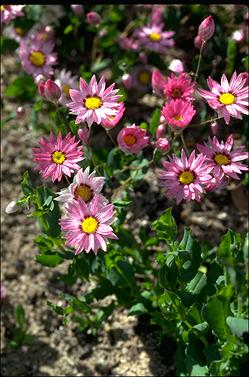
(88, 227)
(154, 38)
(114, 119)
(37, 57)
(132, 139)
(85, 186)
(59, 156)
(184, 178)
(178, 114)
(9, 12)
(158, 82)
(228, 99)
(66, 81)
(179, 87)
(93, 103)
(221, 158)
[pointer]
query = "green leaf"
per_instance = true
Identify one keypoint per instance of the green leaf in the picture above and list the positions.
(238, 326)
(99, 65)
(154, 121)
(213, 313)
(165, 226)
(49, 259)
(138, 309)
(23, 87)
(68, 29)
(19, 315)
(196, 285)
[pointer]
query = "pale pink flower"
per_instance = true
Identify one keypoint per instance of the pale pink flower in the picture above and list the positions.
(222, 159)
(66, 81)
(56, 157)
(238, 35)
(154, 38)
(9, 12)
(206, 28)
(185, 178)
(43, 34)
(176, 66)
(87, 227)
(84, 186)
(229, 99)
(93, 103)
(178, 114)
(37, 57)
(113, 120)
(127, 43)
(179, 87)
(16, 33)
(77, 9)
(132, 139)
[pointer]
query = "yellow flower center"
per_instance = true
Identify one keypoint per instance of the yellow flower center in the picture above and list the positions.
(66, 89)
(177, 93)
(154, 37)
(84, 192)
(227, 98)
(144, 77)
(58, 157)
(19, 31)
(221, 159)
(2, 7)
(129, 139)
(37, 58)
(93, 103)
(178, 117)
(89, 225)
(186, 177)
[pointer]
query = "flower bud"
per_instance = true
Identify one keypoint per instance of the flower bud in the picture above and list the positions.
(156, 15)
(206, 28)
(83, 134)
(11, 207)
(162, 120)
(238, 35)
(176, 66)
(127, 80)
(20, 112)
(158, 82)
(52, 91)
(214, 128)
(198, 42)
(160, 132)
(77, 9)
(163, 144)
(41, 89)
(93, 18)
(49, 30)
(39, 78)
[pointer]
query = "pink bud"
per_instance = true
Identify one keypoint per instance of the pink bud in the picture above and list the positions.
(49, 30)
(83, 135)
(20, 112)
(176, 66)
(127, 80)
(93, 18)
(160, 132)
(214, 128)
(163, 144)
(156, 15)
(52, 91)
(158, 82)
(206, 28)
(41, 87)
(39, 78)
(77, 9)
(198, 42)
(245, 75)
(162, 120)
(238, 35)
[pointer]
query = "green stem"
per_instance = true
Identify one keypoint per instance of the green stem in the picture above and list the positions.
(199, 61)
(206, 121)
(110, 136)
(184, 144)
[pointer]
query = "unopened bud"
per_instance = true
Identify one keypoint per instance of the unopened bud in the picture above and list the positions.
(198, 42)
(176, 66)
(93, 18)
(77, 9)
(84, 135)
(39, 78)
(52, 91)
(11, 207)
(160, 132)
(20, 112)
(127, 80)
(163, 144)
(49, 30)
(206, 28)
(214, 128)
(238, 35)
(41, 89)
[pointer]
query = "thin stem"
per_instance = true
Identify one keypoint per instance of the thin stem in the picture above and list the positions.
(184, 144)
(127, 29)
(206, 121)
(69, 183)
(199, 61)
(110, 136)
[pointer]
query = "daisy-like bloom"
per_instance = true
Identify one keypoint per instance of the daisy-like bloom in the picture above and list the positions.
(184, 178)
(132, 139)
(178, 114)
(229, 99)
(85, 186)
(93, 103)
(181, 87)
(9, 12)
(114, 119)
(141, 77)
(56, 157)
(37, 57)
(16, 33)
(87, 227)
(154, 38)
(66, 81)
(222, 159)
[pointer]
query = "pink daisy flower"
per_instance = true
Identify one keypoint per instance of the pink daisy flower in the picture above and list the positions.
(37, 57)
(65, 81)
(113, 120)
(132, 139)
(181, 87)
(84, 186)
(184, 178)
(221, 158)
(59, 156)
(141, 77)
(154, 38)
(9, 12)
(178, 114)
(229, 99)
(93, 103)
(88, 227)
